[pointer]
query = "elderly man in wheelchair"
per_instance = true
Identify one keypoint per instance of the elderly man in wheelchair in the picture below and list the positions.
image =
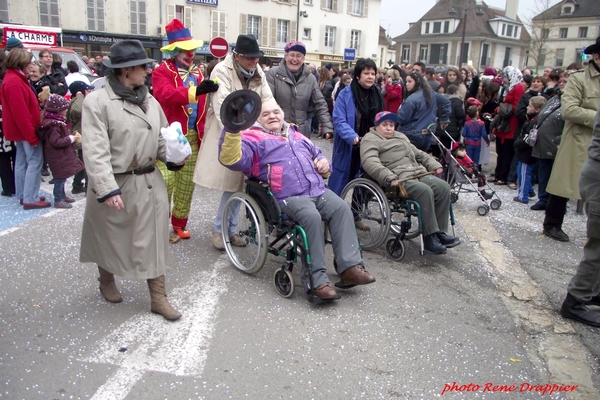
(275, 152)
(388, 157)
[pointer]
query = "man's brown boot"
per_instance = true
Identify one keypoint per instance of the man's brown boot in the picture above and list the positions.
(108, 288)
(159, 303)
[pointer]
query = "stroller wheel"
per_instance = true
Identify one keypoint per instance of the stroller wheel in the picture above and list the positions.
(495, 204)
(395, 249)
(483, 210)
(453, 197)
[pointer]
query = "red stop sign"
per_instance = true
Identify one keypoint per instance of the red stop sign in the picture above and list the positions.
(218, 47)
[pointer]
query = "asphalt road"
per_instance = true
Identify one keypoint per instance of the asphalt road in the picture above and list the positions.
(482, 317)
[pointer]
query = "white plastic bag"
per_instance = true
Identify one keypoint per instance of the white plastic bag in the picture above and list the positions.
(178, 148)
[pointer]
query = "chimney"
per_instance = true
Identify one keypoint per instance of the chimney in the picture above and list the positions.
(511, 9)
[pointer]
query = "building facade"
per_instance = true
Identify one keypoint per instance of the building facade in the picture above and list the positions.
(327, 27)
(562, 32)
(492, 37)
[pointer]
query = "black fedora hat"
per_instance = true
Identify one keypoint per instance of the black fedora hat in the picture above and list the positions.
(594, 48)
(127, 53)
(248, 46)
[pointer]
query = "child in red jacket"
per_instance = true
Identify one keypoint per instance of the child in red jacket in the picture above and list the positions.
(459, 152)
(58, 147)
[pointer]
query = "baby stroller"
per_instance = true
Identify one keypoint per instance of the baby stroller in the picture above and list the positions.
(460, 180)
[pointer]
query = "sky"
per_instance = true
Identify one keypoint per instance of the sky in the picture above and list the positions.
(405, 11)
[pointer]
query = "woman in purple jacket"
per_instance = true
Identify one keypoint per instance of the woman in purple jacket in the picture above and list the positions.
(276, 152)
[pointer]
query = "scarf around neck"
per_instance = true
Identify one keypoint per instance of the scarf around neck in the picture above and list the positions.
(368, 103)
(135, 96)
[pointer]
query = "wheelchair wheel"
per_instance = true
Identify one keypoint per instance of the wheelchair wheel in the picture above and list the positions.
(284, 282)
(395, 249)
(251, 228)
(370, 205)
(453, 197)
(495, 204)
(483, 210)
(404, 221)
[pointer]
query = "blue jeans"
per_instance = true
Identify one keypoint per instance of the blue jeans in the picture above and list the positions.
(524, 181)
(59, 189)
(232, 217)
(420, 141)
(512, 173)
(544, 171)
(28, 171)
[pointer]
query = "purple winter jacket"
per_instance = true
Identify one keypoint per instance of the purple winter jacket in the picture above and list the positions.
(286, 163)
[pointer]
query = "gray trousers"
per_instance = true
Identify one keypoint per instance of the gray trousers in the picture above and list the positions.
(586, 282)
(310, 212)
(433, 195)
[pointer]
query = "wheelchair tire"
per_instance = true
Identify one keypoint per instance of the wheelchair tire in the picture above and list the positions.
(372, 208)
(395, 250)
(453, 197)
(495, 204)
(252, 228)
(284, 282)
(483, 210)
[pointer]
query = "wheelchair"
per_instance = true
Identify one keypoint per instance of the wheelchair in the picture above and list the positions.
(384, 212)
(266, 230)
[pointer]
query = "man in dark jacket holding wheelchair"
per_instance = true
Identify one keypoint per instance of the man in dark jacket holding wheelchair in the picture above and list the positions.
(276, 152)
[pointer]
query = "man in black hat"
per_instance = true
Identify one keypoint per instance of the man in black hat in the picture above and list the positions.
(574, 177)
(239, 70)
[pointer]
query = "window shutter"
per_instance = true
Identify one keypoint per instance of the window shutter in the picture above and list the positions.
(170, 12)
(294, 2)
(334, 6)
(142, 17)
(294, 31)
(91, 15)
(187, 18)
(350, 4)
(222, 16)
(54, 14)
(243, 24)
(273, 32)
(365, 8)
(133, 16)
(100, 15)
(214, 23)
(264, 32)
(323, 3)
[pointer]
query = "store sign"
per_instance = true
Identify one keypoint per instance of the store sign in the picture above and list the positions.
(30, 36)
(204, 2)
(349, 54)
(270, 53)
(327, 57)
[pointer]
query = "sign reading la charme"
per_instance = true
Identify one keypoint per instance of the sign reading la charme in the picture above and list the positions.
(205, 2)
(31, 37)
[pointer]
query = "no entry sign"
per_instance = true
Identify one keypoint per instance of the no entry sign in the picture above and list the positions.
(218, 47)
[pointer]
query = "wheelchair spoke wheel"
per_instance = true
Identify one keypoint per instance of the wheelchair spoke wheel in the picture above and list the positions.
(251, 228)
(284, 282)
(369, 205)
(404, 221)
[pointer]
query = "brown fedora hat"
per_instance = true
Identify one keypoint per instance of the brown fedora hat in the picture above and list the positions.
(127, 53)
(593, 48)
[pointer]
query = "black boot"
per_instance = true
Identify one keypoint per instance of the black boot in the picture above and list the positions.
(595, 301)
(432, 244)
(448, 241)
(571, 308)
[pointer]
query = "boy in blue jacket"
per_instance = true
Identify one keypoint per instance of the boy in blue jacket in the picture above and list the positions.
(473, 132)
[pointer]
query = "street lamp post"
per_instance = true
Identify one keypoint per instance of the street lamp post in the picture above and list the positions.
(466, 6)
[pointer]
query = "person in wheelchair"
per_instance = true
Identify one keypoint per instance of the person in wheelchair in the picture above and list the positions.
(276, 152)
(388, 157)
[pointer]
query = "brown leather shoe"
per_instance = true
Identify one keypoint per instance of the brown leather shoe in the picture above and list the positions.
(353, 276)
(326, 292)
(361, 226)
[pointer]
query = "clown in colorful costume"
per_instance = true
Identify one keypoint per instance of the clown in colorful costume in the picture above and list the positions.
(181, 90)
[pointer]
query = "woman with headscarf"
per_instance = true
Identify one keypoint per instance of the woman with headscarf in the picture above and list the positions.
(126, 222)
(504, 140)
(420, 108)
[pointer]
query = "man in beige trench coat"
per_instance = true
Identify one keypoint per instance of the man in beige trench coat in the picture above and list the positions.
(239, 70)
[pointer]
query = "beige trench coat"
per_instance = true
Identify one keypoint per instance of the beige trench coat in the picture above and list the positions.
(579, 104)
(209, 172)
(134, 242)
